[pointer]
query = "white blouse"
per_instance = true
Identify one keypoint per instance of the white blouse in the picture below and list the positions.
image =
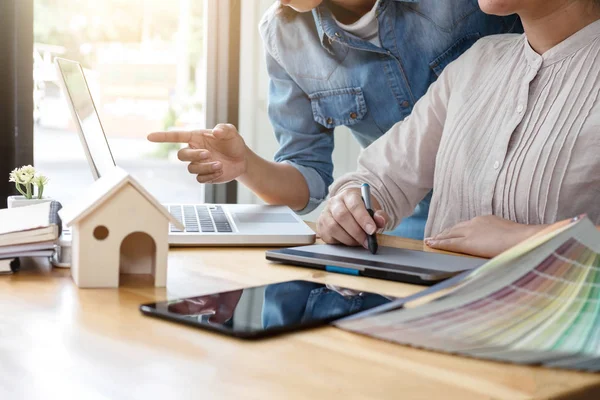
(503, 131)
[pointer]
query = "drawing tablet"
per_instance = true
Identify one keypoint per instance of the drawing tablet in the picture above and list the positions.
(410, 266)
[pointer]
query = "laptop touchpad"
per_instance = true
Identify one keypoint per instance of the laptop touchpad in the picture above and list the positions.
(264, 218)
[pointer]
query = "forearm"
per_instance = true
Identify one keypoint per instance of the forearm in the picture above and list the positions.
(275, 183)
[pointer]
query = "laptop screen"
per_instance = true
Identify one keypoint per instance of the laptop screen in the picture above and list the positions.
(79, 96)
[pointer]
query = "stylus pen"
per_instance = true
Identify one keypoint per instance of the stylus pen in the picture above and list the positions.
(365, 191)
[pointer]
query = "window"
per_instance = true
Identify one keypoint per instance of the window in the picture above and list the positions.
(145, 63)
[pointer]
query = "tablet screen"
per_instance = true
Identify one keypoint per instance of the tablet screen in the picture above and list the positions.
(269, 309)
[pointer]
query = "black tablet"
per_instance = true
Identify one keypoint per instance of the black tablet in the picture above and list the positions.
(266, 310)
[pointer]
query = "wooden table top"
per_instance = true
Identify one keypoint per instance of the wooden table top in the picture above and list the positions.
(57, 341)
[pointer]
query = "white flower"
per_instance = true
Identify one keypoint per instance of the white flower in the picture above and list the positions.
(40, 180)
(28, 169)
(13, 175)
(23, 175)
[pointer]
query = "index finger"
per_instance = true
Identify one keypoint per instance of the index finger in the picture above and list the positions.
(358, 210)
(174, 136)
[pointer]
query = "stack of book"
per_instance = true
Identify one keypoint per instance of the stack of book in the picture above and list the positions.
(538, 303)
(29, 231)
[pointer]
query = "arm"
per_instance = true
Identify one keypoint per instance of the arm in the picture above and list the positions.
(220, 155)
(400, 165)
(275, 183)
(399, 168)
(303, 168)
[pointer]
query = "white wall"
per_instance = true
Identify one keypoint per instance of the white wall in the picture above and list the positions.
(254, 123)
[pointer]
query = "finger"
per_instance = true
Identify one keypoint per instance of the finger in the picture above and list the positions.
(381, 219)
(325, 236)
(339, 235)
(359, 212)
(344, 218)
(205, 168)
(452, 233)
(210, 178)
(456, 245)
(174, 136)
(440, 234)
(222, 132)
(322, 232)
(193, 155)
(331, 232)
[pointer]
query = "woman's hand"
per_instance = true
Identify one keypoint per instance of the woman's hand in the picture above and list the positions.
(345, 219)
(485, 236)
(215, 155)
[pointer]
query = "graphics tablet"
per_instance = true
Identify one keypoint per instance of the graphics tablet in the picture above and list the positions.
(410, 266)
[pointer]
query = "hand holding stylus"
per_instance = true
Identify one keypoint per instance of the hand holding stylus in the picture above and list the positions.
(346, 220)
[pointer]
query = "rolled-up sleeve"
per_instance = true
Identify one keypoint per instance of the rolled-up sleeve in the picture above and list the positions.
(400, 165)
(303, 143)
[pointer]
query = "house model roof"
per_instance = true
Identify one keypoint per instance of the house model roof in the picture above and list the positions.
(102, 190)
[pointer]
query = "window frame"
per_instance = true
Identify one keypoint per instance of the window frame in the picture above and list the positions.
(16, 90)
(222, 58)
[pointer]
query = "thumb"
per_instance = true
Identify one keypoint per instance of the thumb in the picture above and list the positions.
(381, 218)
(224, 132)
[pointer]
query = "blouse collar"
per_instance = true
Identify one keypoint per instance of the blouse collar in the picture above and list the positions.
(564, 49)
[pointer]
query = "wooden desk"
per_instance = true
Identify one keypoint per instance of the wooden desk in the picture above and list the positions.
(57, 341)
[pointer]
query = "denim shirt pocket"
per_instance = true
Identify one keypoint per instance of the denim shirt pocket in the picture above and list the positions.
(453, 52)
(337, 107)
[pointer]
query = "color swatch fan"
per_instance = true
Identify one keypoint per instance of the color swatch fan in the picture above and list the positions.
(538, 303)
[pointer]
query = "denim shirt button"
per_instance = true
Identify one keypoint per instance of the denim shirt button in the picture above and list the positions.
(337, 34)
(353, 115)
(329, 121)
(405, 104)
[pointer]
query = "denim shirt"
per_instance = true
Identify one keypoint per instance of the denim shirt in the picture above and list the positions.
(322, 77)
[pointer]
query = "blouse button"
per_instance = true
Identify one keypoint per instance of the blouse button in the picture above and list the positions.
(497, 165)
(520, 108)
(329, 121)
(353, 115)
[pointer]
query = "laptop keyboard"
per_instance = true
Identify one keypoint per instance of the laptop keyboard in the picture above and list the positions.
(200, 218)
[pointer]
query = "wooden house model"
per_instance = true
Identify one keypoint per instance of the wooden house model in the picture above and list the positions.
(117, 228)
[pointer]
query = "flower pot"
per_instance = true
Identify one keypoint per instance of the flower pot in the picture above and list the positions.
(20, 201)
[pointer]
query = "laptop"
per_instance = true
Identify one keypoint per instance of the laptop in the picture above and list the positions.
(205, 224)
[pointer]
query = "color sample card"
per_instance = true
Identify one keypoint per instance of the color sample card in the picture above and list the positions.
(542, 307)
